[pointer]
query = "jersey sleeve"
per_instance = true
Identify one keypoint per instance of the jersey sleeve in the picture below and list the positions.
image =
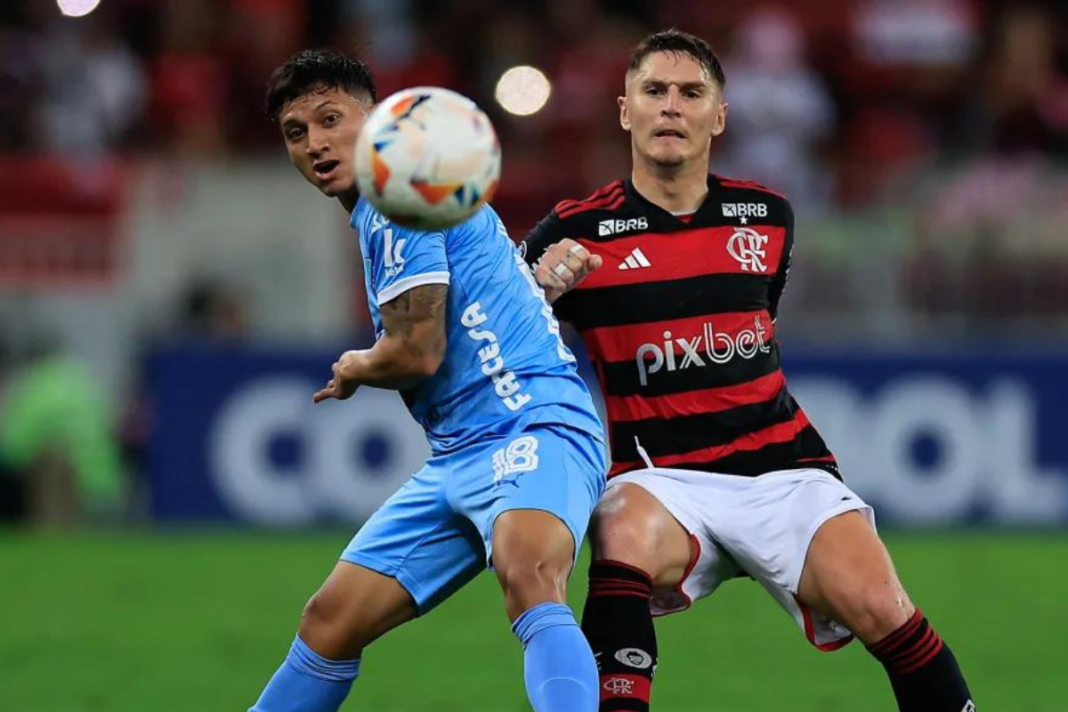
(778, 282)
(546, 233)
(403, 259)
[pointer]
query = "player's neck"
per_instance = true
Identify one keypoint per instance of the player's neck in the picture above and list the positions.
(676, 190)
(349, 200)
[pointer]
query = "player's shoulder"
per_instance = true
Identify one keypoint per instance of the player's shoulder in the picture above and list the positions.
(744, 186)
(584, 216)
(607, 198)
(482, 222)
(485, 219)
(742, 195)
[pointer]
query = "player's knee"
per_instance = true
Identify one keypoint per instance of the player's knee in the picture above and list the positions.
(531, 550)
(332, 629)
(531, 573)
(621, 530)
(330, 623)
(875, 611)
(623, 540)
(532, 577)
(320, 612)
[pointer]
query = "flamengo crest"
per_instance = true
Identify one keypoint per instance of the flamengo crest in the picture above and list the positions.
(747, 246)
(619, 686)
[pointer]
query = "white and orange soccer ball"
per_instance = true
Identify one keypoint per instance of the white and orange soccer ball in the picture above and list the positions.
(428, 158)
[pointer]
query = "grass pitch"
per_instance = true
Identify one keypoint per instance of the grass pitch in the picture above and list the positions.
(198, 623)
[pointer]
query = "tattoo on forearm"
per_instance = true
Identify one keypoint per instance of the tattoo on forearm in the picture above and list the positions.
(422, 309)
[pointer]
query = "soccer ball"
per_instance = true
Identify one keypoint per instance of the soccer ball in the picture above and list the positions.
(427, 158)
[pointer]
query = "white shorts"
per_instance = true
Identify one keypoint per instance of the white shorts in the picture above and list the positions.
(750, 526)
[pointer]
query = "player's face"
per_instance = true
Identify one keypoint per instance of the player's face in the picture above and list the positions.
(320, 130)
(673, 108)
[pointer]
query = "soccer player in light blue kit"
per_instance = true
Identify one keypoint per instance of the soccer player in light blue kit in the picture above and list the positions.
(517, 462)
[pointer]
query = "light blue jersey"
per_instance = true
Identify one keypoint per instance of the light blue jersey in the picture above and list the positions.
(510, 423)
(505, 365)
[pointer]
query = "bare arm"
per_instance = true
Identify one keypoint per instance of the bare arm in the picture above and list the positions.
(410, 350)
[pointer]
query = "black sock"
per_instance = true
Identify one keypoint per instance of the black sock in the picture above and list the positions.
(922, 670)
(619, 626)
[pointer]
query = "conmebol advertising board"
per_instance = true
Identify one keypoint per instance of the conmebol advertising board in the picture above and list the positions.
(930, 440)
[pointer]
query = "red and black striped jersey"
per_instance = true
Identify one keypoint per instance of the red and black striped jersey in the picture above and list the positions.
(680, 325)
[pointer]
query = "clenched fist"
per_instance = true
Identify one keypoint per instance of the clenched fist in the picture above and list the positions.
(564, 266)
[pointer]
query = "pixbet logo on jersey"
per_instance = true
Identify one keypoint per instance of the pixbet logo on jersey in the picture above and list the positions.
(716, 348)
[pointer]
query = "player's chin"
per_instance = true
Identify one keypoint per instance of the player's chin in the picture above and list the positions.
(668, 159)
(335, 186)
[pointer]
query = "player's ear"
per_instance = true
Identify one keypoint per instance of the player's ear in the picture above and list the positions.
(720, 122)
(624, 115)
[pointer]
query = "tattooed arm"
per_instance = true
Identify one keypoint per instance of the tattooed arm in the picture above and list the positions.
(410, 350)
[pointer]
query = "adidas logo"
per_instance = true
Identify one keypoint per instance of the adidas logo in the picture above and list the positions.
(613, 227)
(635, 260)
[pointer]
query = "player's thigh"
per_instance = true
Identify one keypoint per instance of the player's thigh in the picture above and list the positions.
(848, 575)
(416, 539)
(768, 525)
(555, 470)
(632, 525)
(684, 559)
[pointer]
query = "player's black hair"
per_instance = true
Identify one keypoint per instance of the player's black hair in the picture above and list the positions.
(314, 70)
(677, 41)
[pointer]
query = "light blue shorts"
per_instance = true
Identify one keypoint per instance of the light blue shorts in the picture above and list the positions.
(436, 532)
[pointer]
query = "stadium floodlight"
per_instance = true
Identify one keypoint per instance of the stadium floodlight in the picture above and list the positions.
(523, 90)
(77, 8)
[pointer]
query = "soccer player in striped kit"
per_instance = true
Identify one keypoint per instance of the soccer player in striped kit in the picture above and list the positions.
(673, 279)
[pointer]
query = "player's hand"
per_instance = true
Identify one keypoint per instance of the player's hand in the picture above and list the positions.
(563, 267)
(338, 387)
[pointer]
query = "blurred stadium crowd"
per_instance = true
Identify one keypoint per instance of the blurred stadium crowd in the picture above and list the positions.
(924, 144)
(952, 113)
(832, 102)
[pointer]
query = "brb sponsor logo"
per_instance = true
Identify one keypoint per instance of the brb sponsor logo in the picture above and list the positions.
(614, 227)
(708, 347)
(745, 210)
